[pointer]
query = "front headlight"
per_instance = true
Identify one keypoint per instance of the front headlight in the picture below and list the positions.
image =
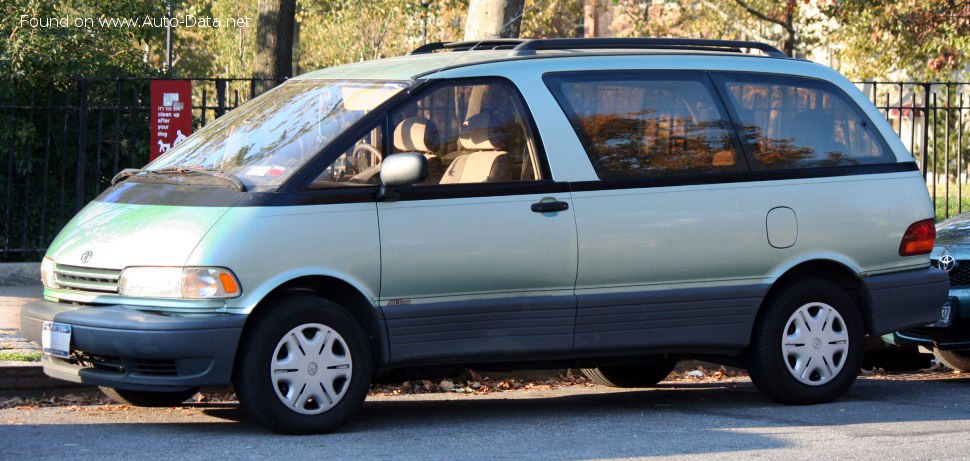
(47, 273)
(178, 282)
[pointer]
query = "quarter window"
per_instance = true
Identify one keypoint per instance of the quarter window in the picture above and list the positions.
(647, 124)
(791, 122)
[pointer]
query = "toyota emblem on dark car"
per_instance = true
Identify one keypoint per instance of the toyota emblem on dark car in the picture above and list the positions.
(947, 263)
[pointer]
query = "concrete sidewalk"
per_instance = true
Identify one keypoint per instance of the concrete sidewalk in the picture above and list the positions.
(11, 299)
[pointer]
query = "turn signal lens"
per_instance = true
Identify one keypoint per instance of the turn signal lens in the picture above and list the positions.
(918, 239)
(228, 283)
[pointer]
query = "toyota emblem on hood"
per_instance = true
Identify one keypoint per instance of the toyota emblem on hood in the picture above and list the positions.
(87, 256)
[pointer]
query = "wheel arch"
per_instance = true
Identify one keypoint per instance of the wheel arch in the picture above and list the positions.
(827, 269)
(339, 291)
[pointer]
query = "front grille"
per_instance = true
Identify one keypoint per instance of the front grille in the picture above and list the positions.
(154, 367)
(149, 367)
(86, 278)
(960, 274)
(100, 362)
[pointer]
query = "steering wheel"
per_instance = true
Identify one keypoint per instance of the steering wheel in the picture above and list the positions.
(365, 148)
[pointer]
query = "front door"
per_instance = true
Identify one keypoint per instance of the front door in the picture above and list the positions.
(480, 259)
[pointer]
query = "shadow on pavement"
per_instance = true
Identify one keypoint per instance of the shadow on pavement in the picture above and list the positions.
(674, 419)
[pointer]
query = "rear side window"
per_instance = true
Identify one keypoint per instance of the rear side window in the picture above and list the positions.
(791, 122)
(647, 124)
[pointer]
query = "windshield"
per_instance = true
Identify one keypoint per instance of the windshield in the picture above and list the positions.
(269, 138)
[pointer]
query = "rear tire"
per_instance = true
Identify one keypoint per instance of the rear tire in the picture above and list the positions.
(631, 376)
(954, 360)
(304, 366)
(808, 344)
(148, 399)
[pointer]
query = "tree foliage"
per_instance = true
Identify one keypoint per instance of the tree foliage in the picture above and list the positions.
(60, 53)
(782, 23)
(920, 39)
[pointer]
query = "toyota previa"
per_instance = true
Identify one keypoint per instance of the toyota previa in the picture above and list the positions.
(610, 205)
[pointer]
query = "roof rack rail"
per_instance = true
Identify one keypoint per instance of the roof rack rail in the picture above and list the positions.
(472, 45)
(694, 44)
(525, 47)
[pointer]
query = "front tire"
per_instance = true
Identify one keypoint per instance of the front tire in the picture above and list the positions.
(808, 344)
(632, 376)
(954, 360)
(304, 366)
(148, 399)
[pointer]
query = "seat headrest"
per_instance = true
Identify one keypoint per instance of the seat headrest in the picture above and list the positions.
(485, 131)
(416, 134)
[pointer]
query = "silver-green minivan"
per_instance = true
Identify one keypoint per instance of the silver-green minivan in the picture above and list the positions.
(612, 205)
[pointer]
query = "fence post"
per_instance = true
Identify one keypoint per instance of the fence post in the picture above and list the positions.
(82, 125)
(220, 97)
(8, 202)
(926, 130)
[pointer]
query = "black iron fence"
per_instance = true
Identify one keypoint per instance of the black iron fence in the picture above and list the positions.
(933, 121)
(60, 146)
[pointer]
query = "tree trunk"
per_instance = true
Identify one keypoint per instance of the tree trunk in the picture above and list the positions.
(597, 18)
(274, 38)
(493, 19)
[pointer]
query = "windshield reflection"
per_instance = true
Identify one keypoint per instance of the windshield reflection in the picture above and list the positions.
(269, 138)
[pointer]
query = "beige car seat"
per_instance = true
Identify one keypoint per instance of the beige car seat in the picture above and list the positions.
(482, 139)
(418, 134)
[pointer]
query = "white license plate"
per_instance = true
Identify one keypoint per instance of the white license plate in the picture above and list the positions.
(945, 313)
(56, 339)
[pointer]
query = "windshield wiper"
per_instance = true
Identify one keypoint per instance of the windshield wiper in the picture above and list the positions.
(128, 172)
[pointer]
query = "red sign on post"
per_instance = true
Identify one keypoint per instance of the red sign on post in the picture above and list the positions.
(171, 115)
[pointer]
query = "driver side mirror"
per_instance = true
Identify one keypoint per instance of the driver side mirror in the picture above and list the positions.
(401, 170)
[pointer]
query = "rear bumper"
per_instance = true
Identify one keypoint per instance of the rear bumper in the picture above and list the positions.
(127, 349)
(905, 299)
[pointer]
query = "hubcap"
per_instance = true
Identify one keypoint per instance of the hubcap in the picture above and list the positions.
(815, 343)
(311, 368)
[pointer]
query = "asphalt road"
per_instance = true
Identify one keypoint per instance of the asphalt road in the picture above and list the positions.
(926, 418)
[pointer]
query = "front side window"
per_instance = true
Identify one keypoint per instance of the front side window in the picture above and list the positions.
(470, 133)
(791, 122)
(647, 124)
(269, 138)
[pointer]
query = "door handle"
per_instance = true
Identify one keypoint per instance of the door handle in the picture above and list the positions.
(550, 207)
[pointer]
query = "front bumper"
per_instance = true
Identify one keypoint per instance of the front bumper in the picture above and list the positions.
(954, 337)
(905, 299)
(128, 349)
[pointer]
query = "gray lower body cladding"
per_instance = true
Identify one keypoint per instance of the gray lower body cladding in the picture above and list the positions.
(715, 321)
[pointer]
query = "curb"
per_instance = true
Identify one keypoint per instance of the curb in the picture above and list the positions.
(19, 274)
(23, 376)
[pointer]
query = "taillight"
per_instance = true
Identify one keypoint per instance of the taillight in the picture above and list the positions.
(918, 239)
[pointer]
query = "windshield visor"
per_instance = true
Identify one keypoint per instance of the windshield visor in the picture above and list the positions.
(268, 139)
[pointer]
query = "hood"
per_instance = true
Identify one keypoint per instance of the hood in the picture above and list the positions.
(124, 234)
(954, 233)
